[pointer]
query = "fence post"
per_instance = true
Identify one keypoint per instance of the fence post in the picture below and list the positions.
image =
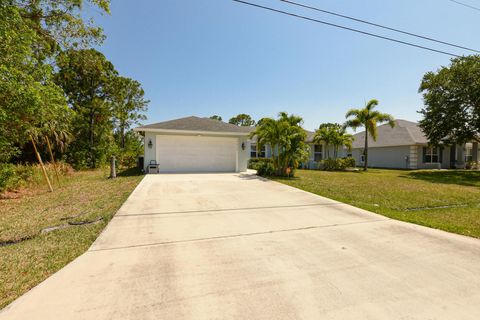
(113, 171)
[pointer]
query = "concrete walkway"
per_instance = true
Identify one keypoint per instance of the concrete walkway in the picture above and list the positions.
(233, 246)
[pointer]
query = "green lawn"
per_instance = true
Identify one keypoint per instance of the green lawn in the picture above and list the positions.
(412, 196)
(88, 195)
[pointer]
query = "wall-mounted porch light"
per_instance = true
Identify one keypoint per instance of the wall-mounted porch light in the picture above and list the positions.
(150, 144)
(243, 145)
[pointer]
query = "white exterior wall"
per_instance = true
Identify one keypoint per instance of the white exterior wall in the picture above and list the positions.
(243, 155)
(150, 153)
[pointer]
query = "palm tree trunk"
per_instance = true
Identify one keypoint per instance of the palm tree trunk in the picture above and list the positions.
(365, 151)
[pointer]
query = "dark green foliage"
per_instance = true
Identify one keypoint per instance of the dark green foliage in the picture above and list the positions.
(12, 176)
(7, 176)
(52, 86)
(333, 134)
(288, 138)
(243, 120)
(452, 102)
(128, 155)
(349, 162)
(216, 117)
(264, 166)
(30, 103)
(338, 164)
(253, 161)
(128, 104)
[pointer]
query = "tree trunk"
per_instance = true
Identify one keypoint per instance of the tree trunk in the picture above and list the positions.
(122, 136)
(365, 151)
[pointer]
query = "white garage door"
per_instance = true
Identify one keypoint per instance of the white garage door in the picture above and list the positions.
(196, 154)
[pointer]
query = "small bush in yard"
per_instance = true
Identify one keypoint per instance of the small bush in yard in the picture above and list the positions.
(13, 177)
(264, 166)
(349, 162)
(7, 176)
(254, 161)
(265, 169)
(338, 164)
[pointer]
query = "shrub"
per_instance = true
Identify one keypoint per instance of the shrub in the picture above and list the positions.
(472, 165)
(12, 176)
(253, 161)
(349, 162)
(264, 166)
(7, 176)
(265, 169)
(338, 164)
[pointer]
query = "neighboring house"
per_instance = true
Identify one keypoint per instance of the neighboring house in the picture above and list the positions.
(406, 146)
(317, 152)
(194, 144)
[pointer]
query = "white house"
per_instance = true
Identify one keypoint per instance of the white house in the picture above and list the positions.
(194, 144)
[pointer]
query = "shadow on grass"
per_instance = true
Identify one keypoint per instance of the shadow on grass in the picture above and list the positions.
(130, 172)
(459, 177)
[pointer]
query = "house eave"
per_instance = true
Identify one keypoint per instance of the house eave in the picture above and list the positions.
(192, 132)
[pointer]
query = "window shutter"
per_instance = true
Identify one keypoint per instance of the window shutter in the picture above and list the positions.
(440, 155)
(424, 155)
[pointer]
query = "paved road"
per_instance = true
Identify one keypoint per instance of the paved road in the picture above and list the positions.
(228, 246)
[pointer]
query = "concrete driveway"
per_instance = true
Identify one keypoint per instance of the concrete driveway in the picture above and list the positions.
(233, 246)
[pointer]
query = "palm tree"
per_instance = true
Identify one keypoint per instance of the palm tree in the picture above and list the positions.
(323, 136)
(286, 138)
(369, 119)
(331, 134)
(342, 138)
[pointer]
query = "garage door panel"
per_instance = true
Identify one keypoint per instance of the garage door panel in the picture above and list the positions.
(196, 154)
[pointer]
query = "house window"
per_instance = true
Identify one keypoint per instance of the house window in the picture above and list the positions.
(430, 155)
(468, 155)
(256, 154)
(318, 152)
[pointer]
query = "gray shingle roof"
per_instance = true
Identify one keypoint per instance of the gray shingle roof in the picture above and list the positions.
(197, 124)
(405, 133)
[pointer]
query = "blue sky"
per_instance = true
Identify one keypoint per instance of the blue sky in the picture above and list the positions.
(205, 57)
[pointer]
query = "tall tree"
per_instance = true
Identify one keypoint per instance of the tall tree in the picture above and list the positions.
(341, 139)
(243, 120)
(368, 118)
(59, 24)
(452, 102)
(30, 102)
(332, 134)
(128, 105)
(216, 117)
(286, 137)
(326, 134)
(86, 76)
